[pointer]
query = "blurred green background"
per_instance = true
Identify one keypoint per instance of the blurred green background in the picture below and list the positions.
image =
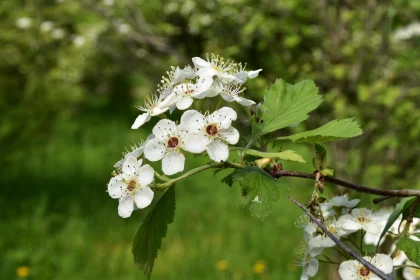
(71, 73)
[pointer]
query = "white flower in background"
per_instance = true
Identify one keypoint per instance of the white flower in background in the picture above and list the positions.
(109, 3)
(152, 107)
(215, 130)
(373, 239)
(338, 205)
(123, 28)
(131, 187)
(58, 33)
(243, 75)
(183, 95)
(362, 218)
(215, 66)
(79, 41)
(46, 26)
(230, 93)
(411, 273)
(309, 262)
(407, 32)
(136, 151)
(399, 258)
(24, 23)
(167, 144)
(324, 241)
(352, 270)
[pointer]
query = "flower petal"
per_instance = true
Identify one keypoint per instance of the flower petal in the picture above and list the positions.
(126, 207)
(140, 120)
(223, 117)
(130, 166)
(244, 101)
(348, 270)
(164, 129)
(230, 135)
(192, 121)
(200, 63)
(312, 269)
(143, 197)
(218, 151)
(383, 262)
(116, 187)
(184, 102)
(372, 228)
(253, 74)
(154, 150)
(195, 143)
(203, 84)
(146, 175)
(173, 162)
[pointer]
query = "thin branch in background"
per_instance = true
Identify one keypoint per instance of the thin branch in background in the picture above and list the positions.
(343, 246)
(380, 199)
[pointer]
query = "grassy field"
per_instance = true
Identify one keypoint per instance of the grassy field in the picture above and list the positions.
(59, 223)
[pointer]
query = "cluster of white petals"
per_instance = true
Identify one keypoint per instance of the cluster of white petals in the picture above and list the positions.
(362, 218)
(353, 270)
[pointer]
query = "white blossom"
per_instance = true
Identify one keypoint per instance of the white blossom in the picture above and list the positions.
(151, 107)
(24, 23)
(338, 205)
(309, 262)
(79, 41)
(411, 273)
(167, 144)
(407, 32)
(131, 187)
(362, 218)
(58, 33)
(46, 26)
(324, 241)
(353, 270)
(230, 92)
(215, 130)
(216, 66)
(243, 75)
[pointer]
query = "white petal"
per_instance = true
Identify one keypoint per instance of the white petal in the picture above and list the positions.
(207, 72)
(192, 121)
(253, 74)
(243, 76)
(230, 135)
(159, 110)
(352, 203)
(244, 101)
(173, 162)
(348, 270)
(130, 166)
(195, 143)
(203, 84)
(146, 175)
(170, 100)
(218, 151)
(223, 117)
(154, 150)
(372, 228)
(141, 119)
(116, 187)
(164, 129)
(312, 269)
(347, 223)
(184, 102)
(126, 207)
(228, 78)
(226, 97)
(211, 92)
(408, 273)
(383, 262)
(143, 197)
(200, 63)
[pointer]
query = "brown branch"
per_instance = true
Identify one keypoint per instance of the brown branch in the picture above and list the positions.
(343, 246)
(391, 193)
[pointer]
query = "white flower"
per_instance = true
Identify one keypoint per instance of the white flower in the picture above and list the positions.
(373, 239)
(151, 107)
(184, 74)
(109, 3)
(79, 41)
(407, 32)
(131, 187)
(362, 218)
(46, 26)
(309, 262)
(183, 94)
(214, 130)
(230, 92)
(399, 258)
(410, 273)
(324, 241)
(24, 23)
(243, 75)
(338, 205)
(216, 66)
(123, 28)
(58, 33)
(352, 270)
(167, 144)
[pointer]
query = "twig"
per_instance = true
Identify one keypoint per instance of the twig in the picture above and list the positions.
(343, 246)
(380, 199)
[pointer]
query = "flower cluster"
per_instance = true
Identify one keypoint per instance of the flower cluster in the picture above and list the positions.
(196, 132)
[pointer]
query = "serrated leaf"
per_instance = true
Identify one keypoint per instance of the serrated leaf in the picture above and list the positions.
(334, 130)
(285, 104)
(320, 157)
(228, 180)
(152, 230)
(403, 206)
(260, 190)
(411, 248)
(285, 155)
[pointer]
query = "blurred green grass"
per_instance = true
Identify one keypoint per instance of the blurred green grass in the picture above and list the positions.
(59, 221)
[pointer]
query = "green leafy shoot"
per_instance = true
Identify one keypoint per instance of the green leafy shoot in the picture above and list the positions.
(320, 157)
(259, 189)
(334, 130)
(411, 248)
(152, 230)
(285, 104)
(285, 155)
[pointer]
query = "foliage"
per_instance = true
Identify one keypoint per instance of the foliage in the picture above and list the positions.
(411, 248)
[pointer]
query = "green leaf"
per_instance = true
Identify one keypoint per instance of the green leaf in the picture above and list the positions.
(285, 104)
(403, 206)
(285, 155)
(334, 130)
(228, 180)
(152, 230)
(320, 157)
(411, 248)
(327, 172)
(260, 190)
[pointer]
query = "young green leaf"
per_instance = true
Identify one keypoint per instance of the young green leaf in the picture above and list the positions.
(334, 130)
(152, 230)
(411, 248)
(320, 157)
(285, 155)
(260, 190)
(327, 171)
(285, 104)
